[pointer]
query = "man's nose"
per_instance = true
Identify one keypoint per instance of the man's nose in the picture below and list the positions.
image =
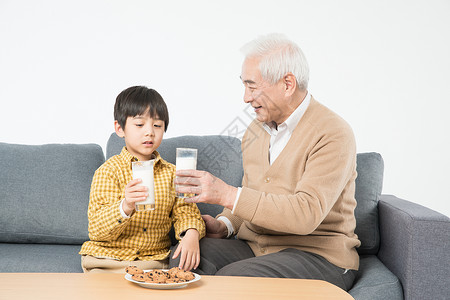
(248, 96)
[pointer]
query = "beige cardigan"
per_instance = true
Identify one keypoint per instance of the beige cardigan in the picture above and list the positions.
(306, 198)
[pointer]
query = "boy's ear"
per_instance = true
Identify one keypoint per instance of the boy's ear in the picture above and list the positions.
(119, 129)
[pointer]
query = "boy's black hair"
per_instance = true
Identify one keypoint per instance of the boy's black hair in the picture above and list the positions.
(136, 100)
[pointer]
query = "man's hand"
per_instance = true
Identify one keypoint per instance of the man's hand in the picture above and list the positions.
(208, 189)
(133, 193)
(215, 228)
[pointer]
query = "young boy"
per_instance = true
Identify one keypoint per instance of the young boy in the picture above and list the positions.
(119, 235)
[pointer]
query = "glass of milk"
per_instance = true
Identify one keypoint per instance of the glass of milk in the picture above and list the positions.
(144, 171)
(186, 160)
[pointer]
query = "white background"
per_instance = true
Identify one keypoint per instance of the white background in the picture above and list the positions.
(384, 66)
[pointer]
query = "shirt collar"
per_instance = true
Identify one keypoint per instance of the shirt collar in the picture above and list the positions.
(128, 157)
(292, 121)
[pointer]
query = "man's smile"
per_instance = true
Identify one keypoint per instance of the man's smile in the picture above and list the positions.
(257, 108)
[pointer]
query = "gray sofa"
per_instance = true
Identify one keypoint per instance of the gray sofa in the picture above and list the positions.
(405, 250)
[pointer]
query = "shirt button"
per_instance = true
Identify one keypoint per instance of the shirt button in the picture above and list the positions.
(263, 250)
(267, 180)
(145, 229)
(120, 221)
(138, 252)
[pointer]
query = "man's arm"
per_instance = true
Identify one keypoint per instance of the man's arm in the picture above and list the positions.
(225, 224)
(329, 168)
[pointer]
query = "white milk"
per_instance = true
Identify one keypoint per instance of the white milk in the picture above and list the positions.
(186, 163)
(148, 181)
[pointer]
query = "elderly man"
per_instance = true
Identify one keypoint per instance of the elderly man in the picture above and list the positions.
(294, 215)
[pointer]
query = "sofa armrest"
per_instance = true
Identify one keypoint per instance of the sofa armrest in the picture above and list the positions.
(415, 246)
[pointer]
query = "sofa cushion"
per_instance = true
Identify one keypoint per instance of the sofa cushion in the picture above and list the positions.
(45, 192)
(218, 154)
(369, 184)
(375, 282)
(42, 258)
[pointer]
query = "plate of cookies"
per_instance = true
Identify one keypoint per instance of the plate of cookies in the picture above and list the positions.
(161, 279)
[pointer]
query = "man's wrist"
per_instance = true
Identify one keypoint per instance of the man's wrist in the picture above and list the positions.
(227, 228)
(230, 197)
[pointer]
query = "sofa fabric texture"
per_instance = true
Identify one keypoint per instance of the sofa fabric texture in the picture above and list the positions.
(369, 183)
(424, 243)
(374, 281)
(45, 192)
(40, 258)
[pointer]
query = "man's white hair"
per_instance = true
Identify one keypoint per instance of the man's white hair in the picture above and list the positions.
(279, 56)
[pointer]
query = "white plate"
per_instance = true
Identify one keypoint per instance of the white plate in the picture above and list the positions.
(162, 286)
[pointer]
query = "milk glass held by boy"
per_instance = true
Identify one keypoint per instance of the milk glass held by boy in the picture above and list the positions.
(144, 170)
(186, 160)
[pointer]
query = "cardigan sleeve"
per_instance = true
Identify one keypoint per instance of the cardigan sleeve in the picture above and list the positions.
(236, 221)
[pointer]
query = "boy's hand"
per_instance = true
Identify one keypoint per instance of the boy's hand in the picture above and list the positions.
(190, 250)
(133, 194)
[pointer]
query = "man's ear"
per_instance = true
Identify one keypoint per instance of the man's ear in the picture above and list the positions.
(119, 129)
(290, 84)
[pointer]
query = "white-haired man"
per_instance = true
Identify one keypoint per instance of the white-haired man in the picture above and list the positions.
(294, 215)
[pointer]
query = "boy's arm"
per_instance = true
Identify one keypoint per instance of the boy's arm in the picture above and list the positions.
(105, 220)
(186, 216)
(189, 250)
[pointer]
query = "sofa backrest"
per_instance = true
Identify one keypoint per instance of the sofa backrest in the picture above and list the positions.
(221, 155)
(369, 183)
(218, 154)
(45, 192)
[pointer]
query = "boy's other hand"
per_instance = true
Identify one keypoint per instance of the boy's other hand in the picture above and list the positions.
(190, 250)
(133, 193)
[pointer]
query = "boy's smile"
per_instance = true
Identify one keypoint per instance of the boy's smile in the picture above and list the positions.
(142, 134)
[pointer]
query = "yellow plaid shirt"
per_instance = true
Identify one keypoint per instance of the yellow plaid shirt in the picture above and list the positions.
(144, 236)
